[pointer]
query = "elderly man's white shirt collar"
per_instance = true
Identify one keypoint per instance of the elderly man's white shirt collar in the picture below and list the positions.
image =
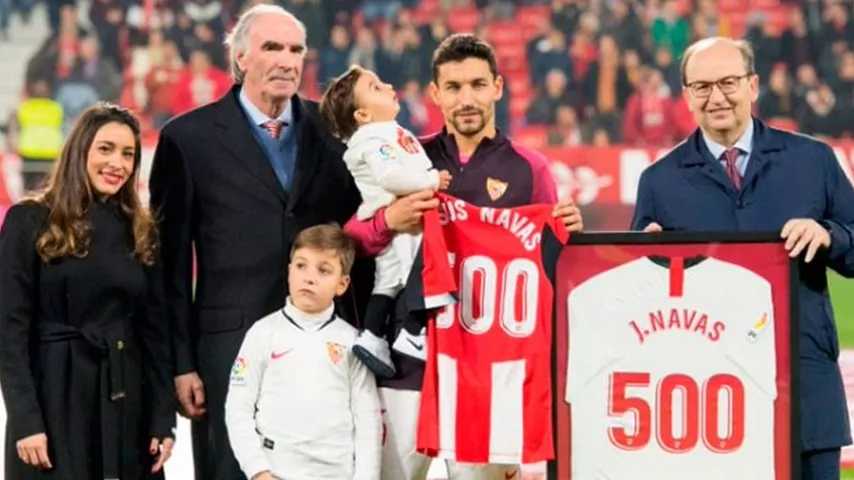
(258, 117)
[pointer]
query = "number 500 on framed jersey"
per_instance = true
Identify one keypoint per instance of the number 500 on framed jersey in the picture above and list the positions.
(674, 358)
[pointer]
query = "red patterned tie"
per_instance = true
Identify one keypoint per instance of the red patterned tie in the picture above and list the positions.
(273, 127)
(730, 156)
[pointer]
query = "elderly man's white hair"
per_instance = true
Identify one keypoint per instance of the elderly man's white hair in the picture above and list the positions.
(237, 40)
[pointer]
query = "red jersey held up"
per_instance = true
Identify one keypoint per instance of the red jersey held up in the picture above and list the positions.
(486, 396)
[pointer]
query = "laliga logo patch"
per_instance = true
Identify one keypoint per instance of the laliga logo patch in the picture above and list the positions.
(238, 371)
(335, 351)
(758, 328)
(495, 188)
(387, 152)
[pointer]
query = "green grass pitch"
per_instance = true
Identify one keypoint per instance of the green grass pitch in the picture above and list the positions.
(842, 295)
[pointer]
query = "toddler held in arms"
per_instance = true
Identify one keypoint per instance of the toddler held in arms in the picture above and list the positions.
(386, 162)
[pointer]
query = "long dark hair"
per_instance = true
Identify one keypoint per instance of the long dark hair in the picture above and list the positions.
(68, 193)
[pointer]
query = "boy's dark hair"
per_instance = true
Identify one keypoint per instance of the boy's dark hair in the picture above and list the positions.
(459, 47)
(327, 236)
(339, 103)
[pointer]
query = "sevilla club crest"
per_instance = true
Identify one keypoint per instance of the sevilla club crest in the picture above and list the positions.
(335, 351)
(495, 188)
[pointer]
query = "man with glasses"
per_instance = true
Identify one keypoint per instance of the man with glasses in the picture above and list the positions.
(737, 174)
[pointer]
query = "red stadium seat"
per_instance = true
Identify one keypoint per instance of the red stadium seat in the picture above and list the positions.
(502, 34)
(519, 84)
(764, 4)
(531, 18)
(532, 136)
(426, 11)
(733, 6)
(463, 19)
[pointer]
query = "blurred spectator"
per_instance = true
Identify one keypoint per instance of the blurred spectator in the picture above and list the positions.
(600, 138)
(38, 126)
(708, 23)
(74, 97)
(607, 88)
(161, 83)
(565, 132)
(310, 13)
(413, 110)
(91, 79)
(206, 12)
(550, 53)
(374, 10)
(92, 68)
(624, 25)
(181, 32)
(837, 24)
(566, 15)
(502, 110)
(205, 38)
(807, 80)
(821, 113)
(200, 83)
(648, 119)
(764, 36)
(669, 69)
(364, 52)
(836, 36)
(777, 102)
(56, 9)
(390, 58)
(5, 15)
(142, 18)
(583, 50)
(606, 85)
(633, 65)
(670, 30)
(431, 35)
(107, 17)
(334, 58)
(68, 41)
(797, 41)
(411, 62)
(543, 110)
(843, 86)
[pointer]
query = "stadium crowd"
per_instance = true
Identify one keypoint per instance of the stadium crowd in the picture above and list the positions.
(577, 71)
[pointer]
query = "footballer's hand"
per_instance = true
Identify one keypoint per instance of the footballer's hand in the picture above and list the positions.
(405, 213)
(445, 178)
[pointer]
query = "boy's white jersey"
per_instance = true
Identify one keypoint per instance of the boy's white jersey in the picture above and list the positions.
(386, 162)
(300, 404)
(672, 372)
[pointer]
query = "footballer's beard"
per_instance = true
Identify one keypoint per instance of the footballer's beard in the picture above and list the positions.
(468, 127)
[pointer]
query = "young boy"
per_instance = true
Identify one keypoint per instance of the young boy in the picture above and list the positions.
(299, 404)
(386, 161)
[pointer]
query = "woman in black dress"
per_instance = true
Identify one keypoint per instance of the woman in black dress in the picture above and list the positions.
(84, 350)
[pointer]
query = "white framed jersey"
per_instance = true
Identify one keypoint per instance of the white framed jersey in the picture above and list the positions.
(671, 371)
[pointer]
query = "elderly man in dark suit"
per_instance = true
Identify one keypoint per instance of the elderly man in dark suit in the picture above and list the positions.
(737, 174)
(234, 182)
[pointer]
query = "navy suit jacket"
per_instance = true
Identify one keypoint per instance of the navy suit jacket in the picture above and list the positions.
(788, 176)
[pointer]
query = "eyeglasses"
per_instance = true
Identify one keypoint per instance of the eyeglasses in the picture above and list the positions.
(727, 85)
